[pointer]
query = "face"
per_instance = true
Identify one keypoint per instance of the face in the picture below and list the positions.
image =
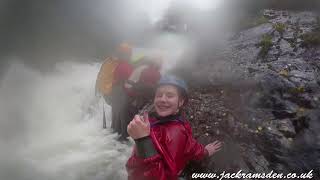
(167, 100)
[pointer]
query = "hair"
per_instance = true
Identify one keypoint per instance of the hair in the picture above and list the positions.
(183, 94)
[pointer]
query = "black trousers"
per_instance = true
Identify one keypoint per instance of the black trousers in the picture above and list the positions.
(120, 104)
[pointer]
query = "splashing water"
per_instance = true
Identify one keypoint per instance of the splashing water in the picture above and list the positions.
(51, 126)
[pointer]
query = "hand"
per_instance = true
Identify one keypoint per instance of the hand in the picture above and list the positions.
(139, 127)
(213, 147)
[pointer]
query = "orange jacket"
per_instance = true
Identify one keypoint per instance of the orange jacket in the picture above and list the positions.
(105, 76)
(112, 71)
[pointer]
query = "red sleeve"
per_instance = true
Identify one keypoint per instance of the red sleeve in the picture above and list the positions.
(122, 71)
(193, 149)
(151, 168)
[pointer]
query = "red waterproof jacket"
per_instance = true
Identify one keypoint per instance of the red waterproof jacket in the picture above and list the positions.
(122, 72)
(176, 147)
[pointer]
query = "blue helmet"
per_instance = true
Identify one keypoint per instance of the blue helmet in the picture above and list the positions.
(175, 81)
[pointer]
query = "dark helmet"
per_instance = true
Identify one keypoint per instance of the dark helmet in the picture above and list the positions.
(177, 82)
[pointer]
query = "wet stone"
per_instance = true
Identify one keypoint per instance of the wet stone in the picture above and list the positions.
(285, 126)
(285, 47)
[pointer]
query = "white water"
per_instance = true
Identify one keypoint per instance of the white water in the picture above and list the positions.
(50, 126)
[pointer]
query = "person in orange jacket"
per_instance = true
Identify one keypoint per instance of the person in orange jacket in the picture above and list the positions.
(110, 83)
(163, 140)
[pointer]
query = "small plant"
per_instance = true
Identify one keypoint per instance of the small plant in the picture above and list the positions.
(265, 44)
(280, 27)
(260, 20)
(297, 90)
(284, 72)
(311, 39)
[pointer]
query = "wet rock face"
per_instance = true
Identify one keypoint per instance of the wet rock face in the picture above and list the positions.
(265, 108)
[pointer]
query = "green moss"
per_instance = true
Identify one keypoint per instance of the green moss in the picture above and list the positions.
(280, 27)
(260, 20)
(311, 39)
(297, 90)
(265, 44)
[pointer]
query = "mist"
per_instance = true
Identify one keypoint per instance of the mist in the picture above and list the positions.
(50, 53)
(43, 33)
(40, 29)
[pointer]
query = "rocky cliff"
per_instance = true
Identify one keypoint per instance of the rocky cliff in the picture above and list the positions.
(261, 97)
